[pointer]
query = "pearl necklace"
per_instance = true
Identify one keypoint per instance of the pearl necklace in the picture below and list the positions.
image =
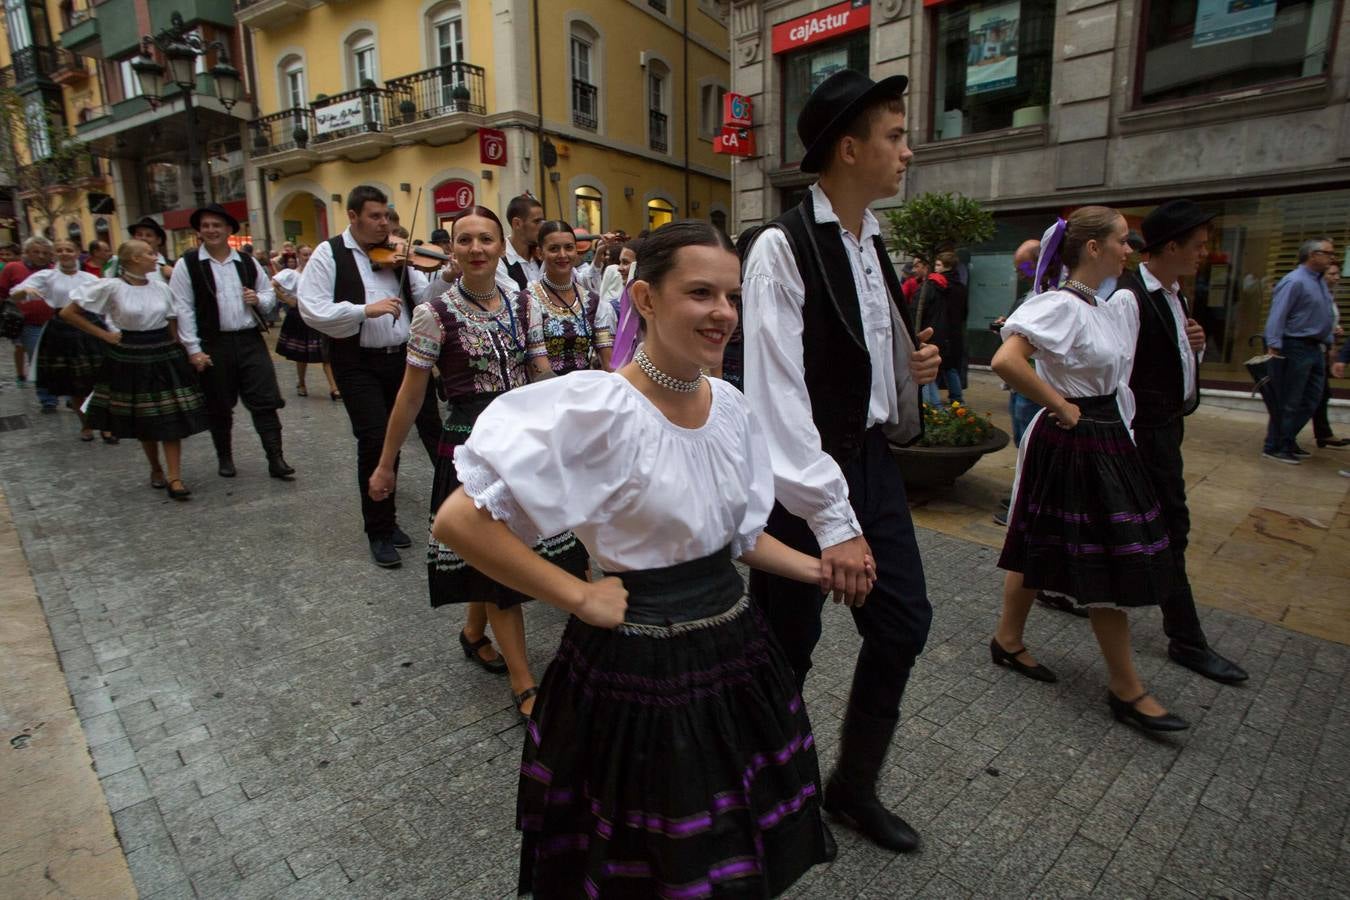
(1081, 288)
(556, 288)
(465, 290)
(669, 382)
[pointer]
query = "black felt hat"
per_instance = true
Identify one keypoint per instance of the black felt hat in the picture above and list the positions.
(439, 236)
(214, 209)
(833, 106)
(1172, 220)
(147, 222)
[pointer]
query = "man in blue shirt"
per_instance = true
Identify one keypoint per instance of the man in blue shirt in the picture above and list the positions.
(1298, 332)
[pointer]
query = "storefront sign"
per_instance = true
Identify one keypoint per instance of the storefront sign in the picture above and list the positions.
(1218, 21)
(991, 51)
(337, 116)
(491, 147)
(735, 142)
(736, 110)
(831, 22)
(453, 197)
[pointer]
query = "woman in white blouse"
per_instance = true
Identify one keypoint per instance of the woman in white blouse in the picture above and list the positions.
(668, 748)
(148, 389)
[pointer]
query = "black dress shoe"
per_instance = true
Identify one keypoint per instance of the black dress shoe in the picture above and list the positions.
(1204, 661)
(865, 813)
(831, 848)
(1300, 453)
(384, 554)
(1008, 658)
(225, 467)
(1061, 604)
(277, 467)
(1126, 711)
(400, 539)
(495, 666)
(1333, 442)
(180, 493)
(1001, 518)
(851, 793)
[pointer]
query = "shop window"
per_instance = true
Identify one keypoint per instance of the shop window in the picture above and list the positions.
(588, 203)
(659, 212)
(163, 185)
(803, 71)
(992, 66)
(1195, 47)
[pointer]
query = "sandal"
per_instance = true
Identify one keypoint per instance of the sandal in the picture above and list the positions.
(335, 396)
(520, 699)
(157, 479)
(301, 390)
(495, 666)
(178, 493)
(110, 438)
(86, 435)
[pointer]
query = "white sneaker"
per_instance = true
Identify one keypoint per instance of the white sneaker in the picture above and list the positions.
(1345, 473)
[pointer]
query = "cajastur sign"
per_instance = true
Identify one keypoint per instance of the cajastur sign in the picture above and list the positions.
(831, 22)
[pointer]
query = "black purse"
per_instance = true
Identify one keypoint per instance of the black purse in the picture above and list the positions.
(11, 320)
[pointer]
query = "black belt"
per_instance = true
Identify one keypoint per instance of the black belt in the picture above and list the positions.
(1314, 341)
(385, 351)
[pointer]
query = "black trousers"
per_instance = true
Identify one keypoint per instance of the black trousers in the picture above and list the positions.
(1160, 450)
(895, 619)
(369, 381)
(241, 369)
(1321, 421)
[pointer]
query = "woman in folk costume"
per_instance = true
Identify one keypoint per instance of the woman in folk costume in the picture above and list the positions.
(475, 337)
(563, 331)
(298, 342)
(148, 389)
(669, 754)
(1084, 520)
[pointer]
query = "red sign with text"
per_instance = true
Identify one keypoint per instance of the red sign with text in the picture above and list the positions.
(831, 22)
(735, 142)
(452, 197)
(736, 110)
(491, 147)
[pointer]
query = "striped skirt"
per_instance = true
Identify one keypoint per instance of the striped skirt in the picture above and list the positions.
(148, 390)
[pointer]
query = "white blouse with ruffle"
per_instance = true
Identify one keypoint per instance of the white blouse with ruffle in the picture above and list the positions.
(589, 453)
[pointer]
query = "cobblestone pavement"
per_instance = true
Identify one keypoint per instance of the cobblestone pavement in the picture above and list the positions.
(272, 716)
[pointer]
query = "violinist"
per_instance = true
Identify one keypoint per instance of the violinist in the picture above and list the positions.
(357, 291)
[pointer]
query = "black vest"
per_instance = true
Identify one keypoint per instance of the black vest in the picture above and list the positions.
(1157, 380)
(517, 273)
(204, 303)
(348, 287)
(837, 365)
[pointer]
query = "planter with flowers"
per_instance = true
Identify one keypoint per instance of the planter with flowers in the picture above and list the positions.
(954, 438)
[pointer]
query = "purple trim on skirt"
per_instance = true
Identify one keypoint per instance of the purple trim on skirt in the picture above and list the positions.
(1082, 518)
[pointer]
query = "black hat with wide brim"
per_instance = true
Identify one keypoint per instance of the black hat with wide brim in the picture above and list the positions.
(833, 106)
(214, 209)
(147, 222)
(1174, 219)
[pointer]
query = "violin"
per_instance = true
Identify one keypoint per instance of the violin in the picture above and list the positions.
(396, 252)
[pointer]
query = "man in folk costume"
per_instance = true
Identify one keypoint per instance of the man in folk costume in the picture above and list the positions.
(223, 299)
(1164, 383)
(833, 368)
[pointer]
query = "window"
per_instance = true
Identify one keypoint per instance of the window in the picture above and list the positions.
(446, 31)
(131, 85)
(659, 212)
(39, 139)
(1192, 47)
(16, 17)
(585, 91)
(710, 98)
(806, 69)
(362, 67)
(163, 181)
(992, 66)
(658, 124)
(293, 94)
(588, 200)
(661, 6)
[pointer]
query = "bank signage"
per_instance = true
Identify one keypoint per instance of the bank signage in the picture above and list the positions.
(735, 142)
(491, 147)
(736, 110)
(452, 197)
(830, 22)
(337, 116)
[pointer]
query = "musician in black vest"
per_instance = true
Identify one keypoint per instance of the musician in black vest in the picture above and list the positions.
(365, 309)
(1164, 382)
(833, 368)
(222, 299)
(525, 215)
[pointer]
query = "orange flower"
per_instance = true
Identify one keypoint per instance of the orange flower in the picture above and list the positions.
(961, 412)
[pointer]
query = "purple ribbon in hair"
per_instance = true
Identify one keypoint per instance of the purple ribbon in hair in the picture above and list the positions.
(1050, 241)
(625, 342)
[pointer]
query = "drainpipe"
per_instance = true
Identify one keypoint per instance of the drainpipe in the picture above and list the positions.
(686, 109)
(246, 37)
(539, 111)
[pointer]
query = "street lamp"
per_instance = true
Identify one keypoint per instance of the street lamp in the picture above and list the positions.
(181, 49)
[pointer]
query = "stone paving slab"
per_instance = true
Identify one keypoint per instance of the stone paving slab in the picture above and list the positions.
(272, 716)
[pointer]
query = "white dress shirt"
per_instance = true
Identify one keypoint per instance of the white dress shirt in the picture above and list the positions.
(55, 286)
(807, 480)
(342, 318)
(133, 307)
(1173, 294)
(234, 312)
(533, 270)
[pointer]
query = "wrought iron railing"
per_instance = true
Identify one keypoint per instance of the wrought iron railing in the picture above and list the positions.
(585, 105)
(367, 109)
(280, 131)
(452, 88)
(32, 62)
(658, 135)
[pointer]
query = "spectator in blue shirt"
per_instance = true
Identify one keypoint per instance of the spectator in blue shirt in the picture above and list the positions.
(1298, 332)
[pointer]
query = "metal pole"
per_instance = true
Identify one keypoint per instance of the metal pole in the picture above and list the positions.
(194, 164)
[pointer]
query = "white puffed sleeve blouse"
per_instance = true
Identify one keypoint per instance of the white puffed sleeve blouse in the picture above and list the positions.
(590, 454)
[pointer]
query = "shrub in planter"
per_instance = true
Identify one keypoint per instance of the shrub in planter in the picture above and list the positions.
(930, 222)
(408, 109)
(301, 137)
(954, 426)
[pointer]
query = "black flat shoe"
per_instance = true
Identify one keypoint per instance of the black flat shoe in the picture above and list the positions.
(521, 698)
(157, 480)
(1061, 604)
(335, 396)
(400, 538)
(111, 438)
(277, 467)
(495, 666)
(180, 493)
(1126, 711)
(225, 467)
(1204, 661)
(384, 554)
(1008, 658)
(1334, 442)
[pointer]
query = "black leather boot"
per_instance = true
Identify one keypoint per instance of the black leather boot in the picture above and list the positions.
(224, 454)
(851, 793)
(277, 466)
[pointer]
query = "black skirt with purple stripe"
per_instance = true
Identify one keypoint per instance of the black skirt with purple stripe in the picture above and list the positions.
(1085, 522)
(671, 757)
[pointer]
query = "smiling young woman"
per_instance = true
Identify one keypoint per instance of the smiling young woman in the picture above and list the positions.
(563, 335)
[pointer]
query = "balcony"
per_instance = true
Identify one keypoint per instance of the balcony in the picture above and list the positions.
(439, 106)
(355, 124)
(281, 141)
(63, 177)
(585, 105)
(71, 68)
(658, 135)
(264, 13)
(32, 63)
(82, 34)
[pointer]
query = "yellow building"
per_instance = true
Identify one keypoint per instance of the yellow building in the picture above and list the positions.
(606, 108)
(54, 88)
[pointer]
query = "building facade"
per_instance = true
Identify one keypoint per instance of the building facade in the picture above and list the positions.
(1034, 107)
(603, 109)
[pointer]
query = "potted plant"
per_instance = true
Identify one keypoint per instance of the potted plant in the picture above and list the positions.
(929, 222)
(408, 109)
(460, 96)
(954, 438)
(301, 137)
(259, 140)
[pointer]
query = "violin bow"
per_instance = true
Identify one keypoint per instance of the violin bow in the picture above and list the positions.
(408, 245)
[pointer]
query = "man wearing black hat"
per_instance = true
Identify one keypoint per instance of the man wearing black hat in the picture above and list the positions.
(148, 230)
(833, 368)
(222, 298)
(1164, 383)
